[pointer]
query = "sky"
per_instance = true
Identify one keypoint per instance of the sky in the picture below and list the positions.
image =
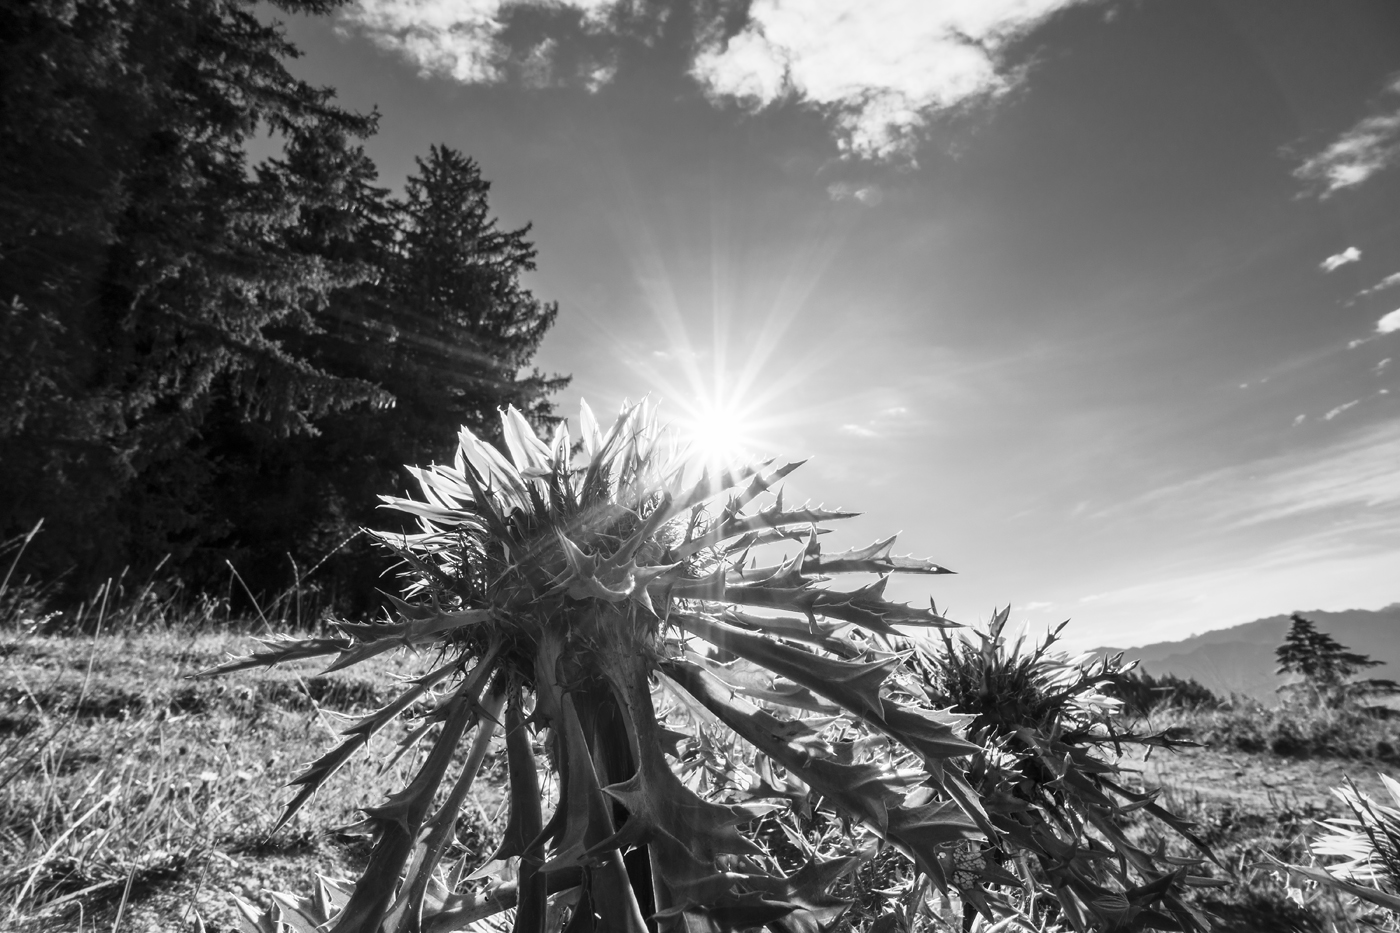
(1097, 303)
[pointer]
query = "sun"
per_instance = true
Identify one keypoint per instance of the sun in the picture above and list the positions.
(717, 435)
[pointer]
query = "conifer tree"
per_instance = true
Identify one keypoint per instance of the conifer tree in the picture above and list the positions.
(148, 278)
(1325, 664)
(447, 328)
(193, 349)
(438, 318)
(280, 497)
(465, 324)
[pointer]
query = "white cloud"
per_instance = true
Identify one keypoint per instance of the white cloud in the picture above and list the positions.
(1390, 323)
(1322, 572)
(879, 67)
(1299, 420)
(1036, 606)
(869, 195)
(439, 36)
(859, 430)
(461, 39)
(1358, 472)
(1390, 281)
(1362, 151)
(1341, 408)
(679, 354)
(1354, 474)
(1332, 263)
(1380, 367)
(1317, 527)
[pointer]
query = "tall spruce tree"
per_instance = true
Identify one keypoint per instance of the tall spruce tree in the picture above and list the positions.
(148, 278)
(448, 329)
(465, 325)
(281, 500)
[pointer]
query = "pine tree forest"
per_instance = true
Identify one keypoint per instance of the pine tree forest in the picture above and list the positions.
(193, 372)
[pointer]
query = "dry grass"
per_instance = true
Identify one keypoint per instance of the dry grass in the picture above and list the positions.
(133, 798)
(1292, 730)
(137, 799)
(1251, 802)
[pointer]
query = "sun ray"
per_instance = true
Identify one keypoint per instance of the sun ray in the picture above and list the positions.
(721, 343)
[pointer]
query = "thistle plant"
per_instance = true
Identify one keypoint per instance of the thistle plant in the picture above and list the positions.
(1368, 846)
(700, 733)
(1047, 773)
(611, 608)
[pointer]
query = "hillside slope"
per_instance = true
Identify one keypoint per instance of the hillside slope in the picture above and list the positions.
(1241, 659)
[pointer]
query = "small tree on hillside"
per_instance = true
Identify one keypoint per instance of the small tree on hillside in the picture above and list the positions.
(1326, 665)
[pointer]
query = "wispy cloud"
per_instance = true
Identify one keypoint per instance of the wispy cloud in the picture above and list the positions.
(1359, 473)
(880, 68)
(1299, 420)
(1287, 575)
(1362, 151)
(1345, 406)
(1387, 324)
(1380, 367)
(875, 417)
(1390, 281)
(1355, 473)
(1323, 531)
(869, 195)
(1332, 263)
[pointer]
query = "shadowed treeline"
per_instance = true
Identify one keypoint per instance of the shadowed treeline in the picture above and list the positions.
(208, 362)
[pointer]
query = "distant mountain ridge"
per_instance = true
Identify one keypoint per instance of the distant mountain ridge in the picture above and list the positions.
(1241, 659)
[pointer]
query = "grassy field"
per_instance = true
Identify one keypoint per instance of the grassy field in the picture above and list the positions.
(133, 798)
(1251, 805)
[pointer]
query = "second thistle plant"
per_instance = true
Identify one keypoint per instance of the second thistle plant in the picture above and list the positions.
(1047, 773)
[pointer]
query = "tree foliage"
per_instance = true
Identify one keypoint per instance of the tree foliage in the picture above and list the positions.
(466, 326)
(443, 325)
(180, 328)
(1325, 665)
(1141, 693)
